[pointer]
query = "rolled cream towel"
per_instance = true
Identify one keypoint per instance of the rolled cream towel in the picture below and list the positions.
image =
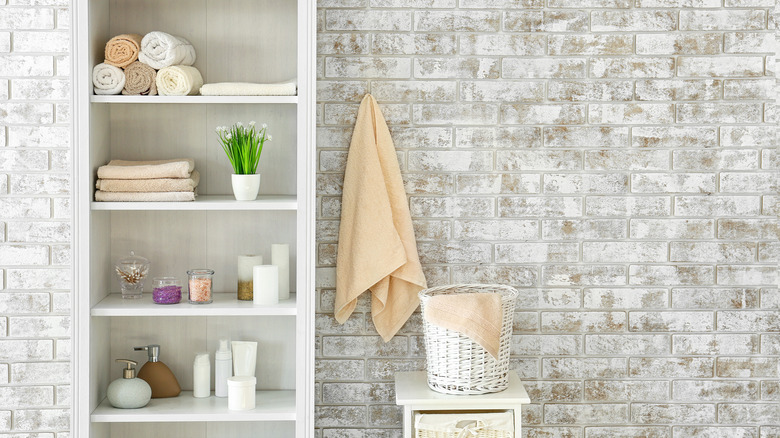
(140, 79)
(179, 80)
(122, 50)
(287, 88)
(160, 50)
(150, 185)
(121, 169)
(108, 79)
(102, 196)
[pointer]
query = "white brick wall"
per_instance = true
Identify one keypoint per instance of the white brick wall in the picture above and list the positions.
(615, 159)
(35, 234)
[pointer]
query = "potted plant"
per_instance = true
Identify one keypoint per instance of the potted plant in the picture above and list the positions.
(243, 146)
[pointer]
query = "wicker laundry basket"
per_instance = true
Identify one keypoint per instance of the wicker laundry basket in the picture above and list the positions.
(471, 425)
(458, 365)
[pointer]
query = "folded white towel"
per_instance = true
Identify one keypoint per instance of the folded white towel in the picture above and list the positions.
(287, 88)
(160, 50)
(178, 80)
(108, 79)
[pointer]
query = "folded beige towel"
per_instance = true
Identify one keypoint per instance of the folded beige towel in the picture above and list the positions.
(122, 50)
(377, 248)
(287, 88)
(121, 169)
(150, 185)
(179, 80)
(102, 196)
(478, 316)
(140, 80)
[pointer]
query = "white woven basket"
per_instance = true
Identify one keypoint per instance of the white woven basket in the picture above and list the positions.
(458, 365)
(471, 425)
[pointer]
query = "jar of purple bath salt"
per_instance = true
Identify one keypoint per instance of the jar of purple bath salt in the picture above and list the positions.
(166, 290)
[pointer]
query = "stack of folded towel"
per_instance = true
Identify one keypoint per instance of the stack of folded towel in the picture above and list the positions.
(157, 63)
(147, 181)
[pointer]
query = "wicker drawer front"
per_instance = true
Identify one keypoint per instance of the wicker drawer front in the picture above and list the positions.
(464, 425)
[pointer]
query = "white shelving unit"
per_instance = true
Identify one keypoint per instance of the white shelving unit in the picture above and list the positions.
(235, 40)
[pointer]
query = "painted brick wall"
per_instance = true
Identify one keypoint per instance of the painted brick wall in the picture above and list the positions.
(35, 218)
(614, 159)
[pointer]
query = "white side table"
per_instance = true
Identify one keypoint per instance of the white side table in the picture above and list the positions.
(412, 392)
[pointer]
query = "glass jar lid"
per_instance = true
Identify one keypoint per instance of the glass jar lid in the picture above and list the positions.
(200, 272)
(133, 260)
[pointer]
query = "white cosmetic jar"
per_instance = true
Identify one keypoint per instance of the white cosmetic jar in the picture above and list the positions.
(241, 393)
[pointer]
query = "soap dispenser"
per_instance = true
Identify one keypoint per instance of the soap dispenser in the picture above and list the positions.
(129, 392)
(157, 374)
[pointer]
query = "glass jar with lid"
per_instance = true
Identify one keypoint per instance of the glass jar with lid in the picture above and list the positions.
(132, 272)
(199, 285)
(166, 290)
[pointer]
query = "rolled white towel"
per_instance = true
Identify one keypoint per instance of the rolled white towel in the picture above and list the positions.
(160, 50)
(108, 79)
(178, 80)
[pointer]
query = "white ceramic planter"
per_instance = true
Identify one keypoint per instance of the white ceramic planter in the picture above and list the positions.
(245, 187)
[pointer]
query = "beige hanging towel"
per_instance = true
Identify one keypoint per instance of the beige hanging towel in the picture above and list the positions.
(377, 249)
(478, 316)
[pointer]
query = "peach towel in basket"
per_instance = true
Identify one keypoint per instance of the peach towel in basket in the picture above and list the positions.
(377, 249)
(478, 316)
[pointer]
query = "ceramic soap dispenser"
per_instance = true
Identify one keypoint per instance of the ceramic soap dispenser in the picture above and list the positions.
(157, 374)
(129, 392)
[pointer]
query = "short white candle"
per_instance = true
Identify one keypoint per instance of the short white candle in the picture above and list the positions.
(280, 256)
(266, 285)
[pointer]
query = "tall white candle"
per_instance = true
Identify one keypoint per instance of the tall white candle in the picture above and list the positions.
(266, 285)
(280, 256)
(245, 265)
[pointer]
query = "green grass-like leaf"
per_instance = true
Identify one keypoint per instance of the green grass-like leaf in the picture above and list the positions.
(243, 146)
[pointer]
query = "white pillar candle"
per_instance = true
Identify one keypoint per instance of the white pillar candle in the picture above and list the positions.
(266, 285)
(245, 265)
(280, 256)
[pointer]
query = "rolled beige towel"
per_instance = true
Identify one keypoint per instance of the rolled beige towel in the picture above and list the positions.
(122, 50)
(108, 79)
(179, 80)
(140, 79)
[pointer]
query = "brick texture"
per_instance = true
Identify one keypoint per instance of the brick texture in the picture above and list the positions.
(614, 159)
(35, 234)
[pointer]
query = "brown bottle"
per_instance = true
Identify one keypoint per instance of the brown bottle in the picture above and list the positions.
(158, 375)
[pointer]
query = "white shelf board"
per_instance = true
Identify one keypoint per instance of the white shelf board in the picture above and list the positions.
(193, 99)
(271, 406)
(224, 304)
(207, 202)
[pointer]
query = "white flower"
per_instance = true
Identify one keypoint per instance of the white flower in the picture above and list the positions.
(219, 128)
(229, 136)
(270, 137)
(264, 126)
(239, 124)
(252, 123)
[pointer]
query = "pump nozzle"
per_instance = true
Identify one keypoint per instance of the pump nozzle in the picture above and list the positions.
(129, 372)
(153, 351)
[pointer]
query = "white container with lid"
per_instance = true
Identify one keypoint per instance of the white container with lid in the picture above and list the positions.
(241, 393)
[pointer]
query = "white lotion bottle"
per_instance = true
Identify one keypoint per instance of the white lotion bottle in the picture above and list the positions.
(223, 368)
(201, 376)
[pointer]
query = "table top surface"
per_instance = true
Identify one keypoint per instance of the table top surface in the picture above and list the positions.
(411, 388)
